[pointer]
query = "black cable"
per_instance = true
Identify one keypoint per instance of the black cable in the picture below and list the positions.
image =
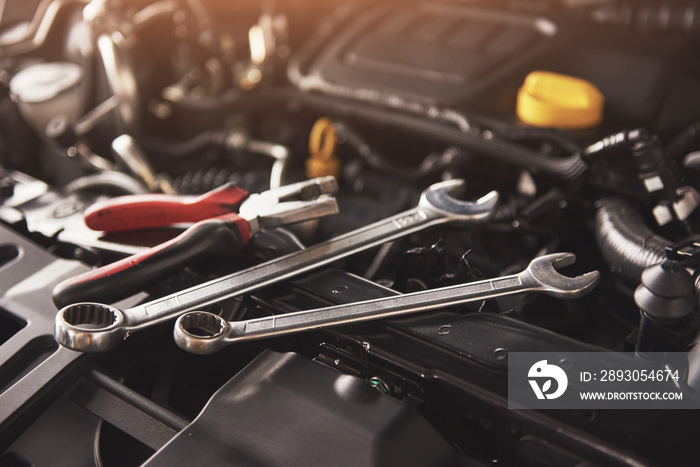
(107, 181)
(556, 137)
(186, 148)
(433, 163)
(96, 444)
(684, 142)
(570, 167)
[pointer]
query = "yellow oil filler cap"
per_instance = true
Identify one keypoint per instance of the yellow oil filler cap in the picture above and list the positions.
(322, 160)
(549, 99)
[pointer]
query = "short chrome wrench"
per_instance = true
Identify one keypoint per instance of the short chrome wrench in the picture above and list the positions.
(95, 327)
(203, 333)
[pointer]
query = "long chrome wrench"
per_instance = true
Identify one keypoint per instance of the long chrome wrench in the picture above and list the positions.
(204, 333)
(96, 327)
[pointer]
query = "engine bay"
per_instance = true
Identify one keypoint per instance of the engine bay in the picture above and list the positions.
(479, 135)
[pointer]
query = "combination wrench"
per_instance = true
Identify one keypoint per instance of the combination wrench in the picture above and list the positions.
(96, 327)
(204, 333)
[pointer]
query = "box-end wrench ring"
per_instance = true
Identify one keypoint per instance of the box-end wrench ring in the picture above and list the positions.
(203, 333)
(96, 327)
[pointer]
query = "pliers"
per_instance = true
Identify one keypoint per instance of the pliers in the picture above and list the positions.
(217, 230)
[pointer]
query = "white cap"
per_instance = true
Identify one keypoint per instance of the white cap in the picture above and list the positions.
(45, 81)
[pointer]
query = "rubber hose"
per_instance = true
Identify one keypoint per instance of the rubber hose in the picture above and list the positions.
(559, 138)
(566, 168)
(627, 244)
(108, 180)
(203, 180)
(685, 142)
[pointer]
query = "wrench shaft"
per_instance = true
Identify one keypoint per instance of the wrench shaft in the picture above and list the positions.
(285, 267)
(374, 309)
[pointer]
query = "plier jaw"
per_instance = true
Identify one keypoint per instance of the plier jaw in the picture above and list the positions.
(306, 190)
(292, 212)
(290, 204)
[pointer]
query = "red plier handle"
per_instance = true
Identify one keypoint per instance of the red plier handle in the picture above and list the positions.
(135, 212)
(205, 240)
(212, 236)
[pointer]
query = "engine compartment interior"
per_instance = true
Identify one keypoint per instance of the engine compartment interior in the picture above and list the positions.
(581, 116)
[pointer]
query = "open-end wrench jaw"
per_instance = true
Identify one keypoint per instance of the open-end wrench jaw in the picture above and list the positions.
(543, 273)
(442, 197)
